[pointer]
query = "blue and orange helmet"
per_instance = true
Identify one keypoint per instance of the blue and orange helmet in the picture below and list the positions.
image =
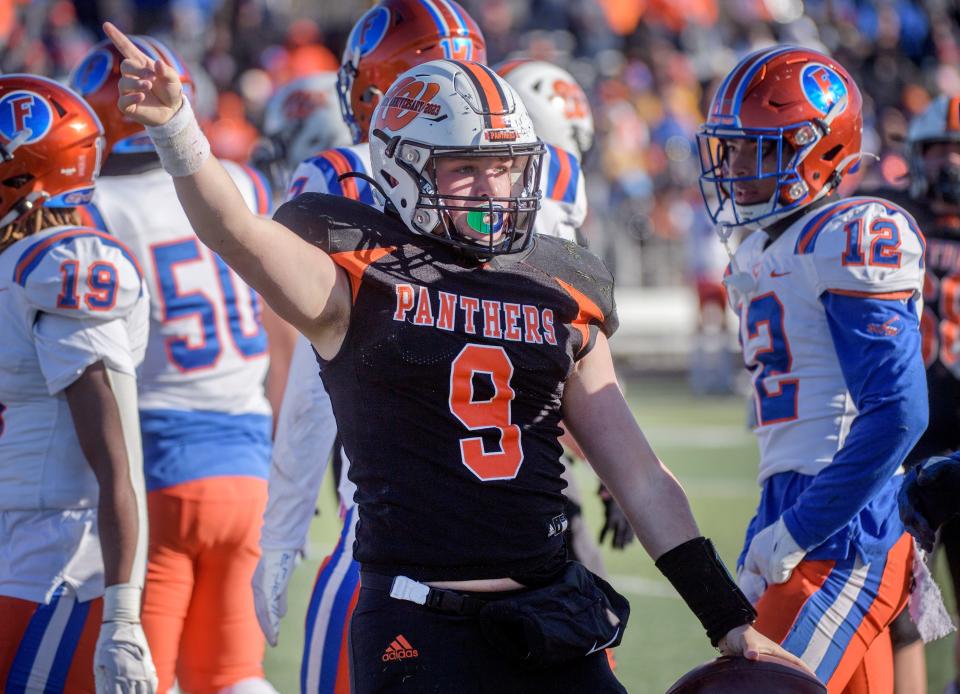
(391, 38)
(797, 102)
(95, 79)
(51, 145)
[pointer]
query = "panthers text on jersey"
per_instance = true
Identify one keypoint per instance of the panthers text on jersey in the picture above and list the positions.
(207, 356)
(460, 366)
(69, 297)
(792, 334)
(563, 210)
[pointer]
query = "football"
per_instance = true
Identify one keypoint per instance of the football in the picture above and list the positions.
(730, 674)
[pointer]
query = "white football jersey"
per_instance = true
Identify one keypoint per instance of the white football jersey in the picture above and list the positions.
(563, 207)
(321, 173)
(208, 347)
(69, 297)
(859, 247)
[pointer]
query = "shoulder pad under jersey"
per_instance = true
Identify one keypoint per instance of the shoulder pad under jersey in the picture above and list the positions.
(863, 245)
(564, 202)
(321, 174)
(338, 224)
(253, 186)
(79, 272)
(583, 276)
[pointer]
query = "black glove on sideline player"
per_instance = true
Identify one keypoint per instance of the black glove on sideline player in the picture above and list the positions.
(928, 497)
(614, 521)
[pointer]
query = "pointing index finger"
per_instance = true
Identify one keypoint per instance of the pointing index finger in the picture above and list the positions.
(126, 47)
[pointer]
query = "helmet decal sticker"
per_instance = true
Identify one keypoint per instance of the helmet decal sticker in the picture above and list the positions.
(571, 96)
(822, 87)
(92, 72)
(407, 100)
(20, 110)
(301, 103)
(369, 32)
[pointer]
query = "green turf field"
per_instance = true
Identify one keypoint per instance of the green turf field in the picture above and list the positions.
(704, 442)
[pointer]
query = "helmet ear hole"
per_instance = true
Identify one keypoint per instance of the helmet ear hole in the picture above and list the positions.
(391, 181)
(61, 111)
(831, 153)
(18, 181)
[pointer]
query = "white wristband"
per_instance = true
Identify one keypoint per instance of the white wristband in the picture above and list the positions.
(121, 603)
(180, 142)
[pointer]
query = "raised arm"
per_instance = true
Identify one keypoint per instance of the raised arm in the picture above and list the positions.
(297, 279)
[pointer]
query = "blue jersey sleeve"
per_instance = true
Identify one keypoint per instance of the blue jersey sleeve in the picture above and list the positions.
(878, 345)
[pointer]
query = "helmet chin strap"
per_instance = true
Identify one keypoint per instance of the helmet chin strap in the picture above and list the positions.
(22, 207)
(837, 176)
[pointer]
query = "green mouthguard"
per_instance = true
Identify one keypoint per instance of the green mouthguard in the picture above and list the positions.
(476, 221)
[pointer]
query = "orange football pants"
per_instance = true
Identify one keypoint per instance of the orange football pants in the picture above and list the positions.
(49, 647)
(198, 604)
(836, 617)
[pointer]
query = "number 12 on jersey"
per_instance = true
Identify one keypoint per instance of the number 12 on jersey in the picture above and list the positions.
(770, 357)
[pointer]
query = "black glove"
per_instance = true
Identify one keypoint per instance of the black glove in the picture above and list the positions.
(929, 497)
(614, 521)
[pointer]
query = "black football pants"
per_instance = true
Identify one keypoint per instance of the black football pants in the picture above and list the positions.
(399, 646)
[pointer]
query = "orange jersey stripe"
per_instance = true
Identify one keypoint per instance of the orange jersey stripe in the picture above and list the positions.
(86, 219)
(342, 166)
(56, 238)
(891, 598)
(811, 233)
(263, 200)
(953, 114)
(780, 607)
(357, 262)
(563, 173)
(587, 311)
(342, 685)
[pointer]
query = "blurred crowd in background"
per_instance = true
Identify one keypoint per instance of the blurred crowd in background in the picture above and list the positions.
(649, 68)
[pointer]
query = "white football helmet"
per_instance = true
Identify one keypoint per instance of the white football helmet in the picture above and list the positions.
(939, 122)
(557, 105)
(448, 108)
(301, 119)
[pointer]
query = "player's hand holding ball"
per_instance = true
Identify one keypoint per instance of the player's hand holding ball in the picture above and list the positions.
(751, 644)
(150, 90)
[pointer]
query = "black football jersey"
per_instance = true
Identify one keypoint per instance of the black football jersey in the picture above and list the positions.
(940, 323)
(447, 390)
